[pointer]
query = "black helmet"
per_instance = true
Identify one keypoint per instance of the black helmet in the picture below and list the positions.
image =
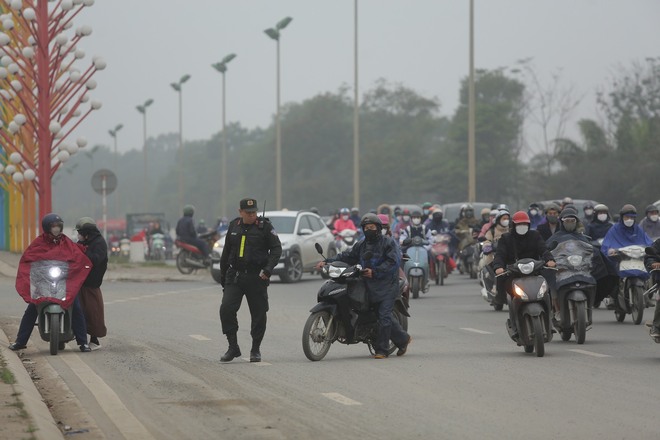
(371, 219)
(568, 212)
(628, 209)
(651, 208)
(416, 213)
(189, 210)
(51, 220)
(86, 224)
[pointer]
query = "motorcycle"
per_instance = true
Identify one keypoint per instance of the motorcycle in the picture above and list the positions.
(115, 249)
(630, 299)
(157, 247)
(576, 288)
(416, 266)
(486, 276)
(531, 305)
(654, 291)
(48, 279)
(345, 240)
(469, 253)
(125, 247)
(441, 262)
(190, 257)
(343, 313)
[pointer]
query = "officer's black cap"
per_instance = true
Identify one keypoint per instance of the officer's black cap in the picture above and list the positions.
(249, 205)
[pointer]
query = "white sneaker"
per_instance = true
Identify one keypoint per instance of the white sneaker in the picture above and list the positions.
(94, 346)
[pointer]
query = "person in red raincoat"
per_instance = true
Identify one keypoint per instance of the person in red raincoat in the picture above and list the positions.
(52, 245)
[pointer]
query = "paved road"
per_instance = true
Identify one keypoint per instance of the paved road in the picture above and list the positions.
(159, 376)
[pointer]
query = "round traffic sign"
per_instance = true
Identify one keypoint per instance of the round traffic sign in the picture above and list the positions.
(104, 179)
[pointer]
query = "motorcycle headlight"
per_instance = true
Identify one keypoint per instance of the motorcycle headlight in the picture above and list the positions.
(526, 268)
(543, 289)
(575, 260)
(335, 272)
(55, 273)
(520, 293)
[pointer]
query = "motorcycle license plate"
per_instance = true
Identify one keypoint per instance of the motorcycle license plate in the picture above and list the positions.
(632, 265)
(216, 266)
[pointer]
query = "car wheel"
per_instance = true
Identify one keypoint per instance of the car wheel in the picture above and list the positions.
(294, 269)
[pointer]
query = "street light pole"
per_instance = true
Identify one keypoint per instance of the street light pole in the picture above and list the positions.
(356, 121)
(222, 68)
(177, 86)
(274, 33)
(143, 110)
(113, 133)
(472, 174)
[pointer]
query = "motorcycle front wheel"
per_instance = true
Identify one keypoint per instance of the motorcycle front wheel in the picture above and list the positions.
(580, 322)
(54, 327)
(415, 287)
(535, 329)
(638, 304)
(317, 336)
(181, 262)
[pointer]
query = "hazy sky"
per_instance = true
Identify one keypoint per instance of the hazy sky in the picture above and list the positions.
(421, 43)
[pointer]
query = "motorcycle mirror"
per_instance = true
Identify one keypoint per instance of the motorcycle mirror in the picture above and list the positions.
(318, 248)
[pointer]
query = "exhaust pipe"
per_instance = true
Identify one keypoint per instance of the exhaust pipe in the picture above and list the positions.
(195, 263)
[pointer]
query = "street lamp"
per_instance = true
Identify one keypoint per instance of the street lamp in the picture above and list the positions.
(222, 68)
(143, 110)
(113, 133)
(177, 86)
(274, 33)
(356, 119)
(472, 172)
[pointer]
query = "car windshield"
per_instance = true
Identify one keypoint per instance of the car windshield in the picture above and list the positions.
(283, 225)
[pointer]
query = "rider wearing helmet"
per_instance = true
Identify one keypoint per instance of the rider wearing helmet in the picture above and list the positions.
(426, 210)
(600, 224)
(485, 217)
(551, 224)
(535, 213)
(91, 297)
(380, 273)
(416, 229)
(521, 242)
(405, 221)
(52, 244)
(344, 221)
(624, 233)
(355, 216)
(651, 222)
(186, 232)
(589, 216)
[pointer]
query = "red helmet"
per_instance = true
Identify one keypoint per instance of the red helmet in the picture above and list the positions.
(385, 220)
(520, 217)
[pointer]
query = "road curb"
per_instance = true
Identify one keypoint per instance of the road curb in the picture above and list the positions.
(46, 428)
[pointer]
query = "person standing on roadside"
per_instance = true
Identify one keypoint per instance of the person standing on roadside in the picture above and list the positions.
(90, 294)
(251, 252)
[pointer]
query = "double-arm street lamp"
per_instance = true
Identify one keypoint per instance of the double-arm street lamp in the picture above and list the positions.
(274, 33)
(222, 68)
(177, 86)
(143, 110)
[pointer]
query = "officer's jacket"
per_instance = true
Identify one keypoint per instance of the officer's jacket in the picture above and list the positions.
(384, 262)
(250, 247)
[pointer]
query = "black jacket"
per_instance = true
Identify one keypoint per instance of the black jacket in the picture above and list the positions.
(185, 228)
(97, 251)
(512, 247)
(253, 247)
(545, 231)
(650, 259)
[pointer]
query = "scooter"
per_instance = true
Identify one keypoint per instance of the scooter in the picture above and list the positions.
(441, 263)
(576, 288)
(190, 257)
(345, 240)
(486, 276)
(631, 286)
(48, 279)
(157, 247)
(343, 313)
(530, 305)
(416, 267)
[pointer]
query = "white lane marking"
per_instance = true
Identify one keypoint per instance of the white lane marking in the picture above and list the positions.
(258, 364)
(127, 423)
(340, 398)
(154, 295)
(200, 337)
(474, 330)
(589, 353)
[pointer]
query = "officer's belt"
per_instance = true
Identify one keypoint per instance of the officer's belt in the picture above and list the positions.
(248, 270)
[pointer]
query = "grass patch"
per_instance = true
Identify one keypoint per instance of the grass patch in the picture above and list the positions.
(5, 375)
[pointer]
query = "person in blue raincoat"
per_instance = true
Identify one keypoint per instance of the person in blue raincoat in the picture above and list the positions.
(382, 281)
(622, 234)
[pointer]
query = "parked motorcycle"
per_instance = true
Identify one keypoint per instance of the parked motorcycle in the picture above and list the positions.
(440, 250)
(343, 313)
(531, 305)
(345, 240)
(48, 279)
(416, 266)
(190, 257)
(576, 288)
(630, 299)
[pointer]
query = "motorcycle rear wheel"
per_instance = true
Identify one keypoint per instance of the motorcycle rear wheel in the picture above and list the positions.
(620, 316)
(443, 273)
(181, 262)
(54, 327)
(438, 272)
(638, 304)
(581, 322)
(314, 345)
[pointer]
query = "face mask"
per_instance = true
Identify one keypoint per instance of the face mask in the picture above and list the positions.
(533, 212)
(56, 231)
(416, 221)
(406, 218)
(344, 217)
(588, 211)
(371, 235)
(629, 222)
(570, 227)
(654, 217)
(426, 212)
(505, 223)
(552, 219)
(602, 217)
(522, 229)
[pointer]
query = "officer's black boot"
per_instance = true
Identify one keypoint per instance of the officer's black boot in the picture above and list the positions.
(255, 354)
(233, 351)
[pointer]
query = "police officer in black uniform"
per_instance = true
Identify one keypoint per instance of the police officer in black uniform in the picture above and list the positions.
(252, 249)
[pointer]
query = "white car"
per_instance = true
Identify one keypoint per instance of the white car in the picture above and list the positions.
(298, 232)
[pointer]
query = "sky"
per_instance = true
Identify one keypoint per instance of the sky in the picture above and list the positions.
(422, 44)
